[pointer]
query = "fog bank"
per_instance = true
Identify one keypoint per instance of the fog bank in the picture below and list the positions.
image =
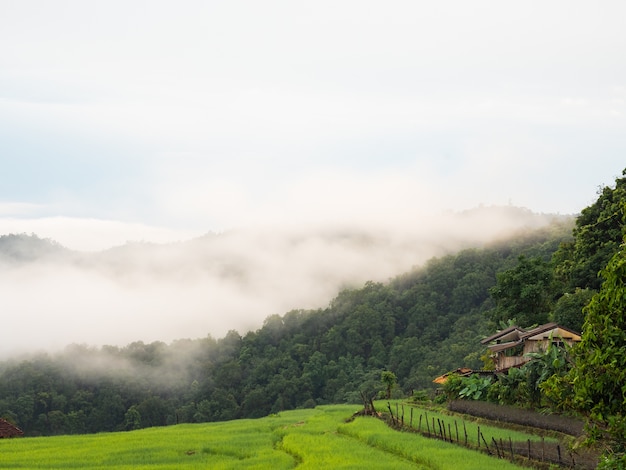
(53, 296)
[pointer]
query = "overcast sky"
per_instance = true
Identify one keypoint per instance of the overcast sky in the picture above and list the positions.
(161, 120)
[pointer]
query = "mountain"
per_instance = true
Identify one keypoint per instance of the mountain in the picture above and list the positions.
(417, 325)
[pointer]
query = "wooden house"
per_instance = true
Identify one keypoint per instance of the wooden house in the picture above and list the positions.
(9, 430)
(509, 347)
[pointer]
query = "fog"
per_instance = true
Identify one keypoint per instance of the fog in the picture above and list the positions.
(53, 296)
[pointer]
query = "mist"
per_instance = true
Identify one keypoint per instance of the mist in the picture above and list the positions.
(53, 296)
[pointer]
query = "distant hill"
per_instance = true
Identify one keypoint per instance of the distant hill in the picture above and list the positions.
(418, 325)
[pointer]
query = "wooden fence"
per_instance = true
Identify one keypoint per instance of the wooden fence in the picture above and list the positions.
(539, 454)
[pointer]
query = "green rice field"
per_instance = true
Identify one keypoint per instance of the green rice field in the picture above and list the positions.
(303, 439)
(463, 425)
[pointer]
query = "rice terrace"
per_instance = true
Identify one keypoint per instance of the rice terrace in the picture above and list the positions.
(332, 436)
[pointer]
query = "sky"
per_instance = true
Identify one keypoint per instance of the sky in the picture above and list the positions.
(162, 121)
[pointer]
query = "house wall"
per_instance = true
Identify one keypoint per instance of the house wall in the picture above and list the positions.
(535, 346)
(539, 346)
(504, 362)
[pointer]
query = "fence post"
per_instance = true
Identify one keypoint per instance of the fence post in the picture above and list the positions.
(511, 447)
(391, 413)
(485, 442)
(495, 443)
(411, 422)
(558, 451)
(479, 436)
(465, 431)
(456, 426)
(419, 427)
(528, 449)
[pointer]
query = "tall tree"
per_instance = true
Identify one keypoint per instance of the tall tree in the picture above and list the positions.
(523, 294)
(599, 374)
(598, 233)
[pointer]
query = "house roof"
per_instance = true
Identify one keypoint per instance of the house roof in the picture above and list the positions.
(504, 346)
(550, 329)
(515, 333)
(509, 334)
(9, 430)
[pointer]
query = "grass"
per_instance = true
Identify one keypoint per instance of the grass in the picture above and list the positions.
(303, 439)
(488, 430)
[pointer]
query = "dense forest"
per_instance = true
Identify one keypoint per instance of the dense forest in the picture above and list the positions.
(417, 326)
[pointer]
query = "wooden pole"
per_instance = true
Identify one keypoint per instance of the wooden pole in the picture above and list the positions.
(465, 431)
(419, 427)
(391, 413)
(485, 442)
(456, 426)
(411, 422)
(449, 433)
(528, 449)
(511, 447)
(478, 436)
(495, 443)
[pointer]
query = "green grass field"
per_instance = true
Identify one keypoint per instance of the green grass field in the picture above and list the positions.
(465, 424)
(303, 439)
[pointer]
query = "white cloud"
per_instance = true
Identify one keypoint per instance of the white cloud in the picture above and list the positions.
(92, 234)
(219, 282)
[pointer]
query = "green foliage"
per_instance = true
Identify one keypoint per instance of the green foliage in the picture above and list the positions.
(598, 233)
(599, 375)
(389, 381)
(524, 293)
(553, 362)
(475, 387)
(510, 388)
(568, 310)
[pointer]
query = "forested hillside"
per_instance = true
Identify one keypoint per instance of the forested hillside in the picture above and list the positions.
(583, 287)
(418, 325)
(412, 328)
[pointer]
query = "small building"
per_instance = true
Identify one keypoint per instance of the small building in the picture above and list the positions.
(9, 430)
(510, 346)
(461, 372)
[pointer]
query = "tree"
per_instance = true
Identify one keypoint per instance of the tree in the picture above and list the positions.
(599, 373)
(568, 310)
(598, 233)
(389, 380)
(523, 293)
